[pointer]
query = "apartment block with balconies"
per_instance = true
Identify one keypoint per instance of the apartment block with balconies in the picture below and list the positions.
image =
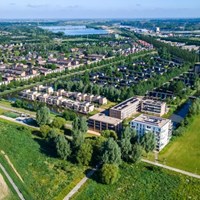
(162, 128)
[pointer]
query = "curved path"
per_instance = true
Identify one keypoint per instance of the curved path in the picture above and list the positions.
(80, 184)
(12, 182)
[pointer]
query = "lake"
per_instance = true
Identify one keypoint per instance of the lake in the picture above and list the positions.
(75, 30)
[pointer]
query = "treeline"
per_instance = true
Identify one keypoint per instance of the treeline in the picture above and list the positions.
(174, 51)
(120, 94)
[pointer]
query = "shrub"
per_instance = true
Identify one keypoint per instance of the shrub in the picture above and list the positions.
(109, 173)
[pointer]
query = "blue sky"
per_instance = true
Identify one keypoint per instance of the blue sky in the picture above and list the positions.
(99, 8)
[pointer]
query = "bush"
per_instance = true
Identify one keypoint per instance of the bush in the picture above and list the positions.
(109, 133)
(109, 173)
(69, 115)
(44, 130)
(84, 154)
(58, 122)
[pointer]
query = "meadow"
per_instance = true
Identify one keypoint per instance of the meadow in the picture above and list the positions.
(183, 152)
(142, 181)
(44, 175)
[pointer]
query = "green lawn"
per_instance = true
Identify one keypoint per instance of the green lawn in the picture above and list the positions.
(184, 151)
(142, 182)
(44, 175)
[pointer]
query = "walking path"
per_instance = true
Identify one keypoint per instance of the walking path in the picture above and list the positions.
(172, 169)
(17, 110)
(18, 122)
(80, 184)
(12, 182)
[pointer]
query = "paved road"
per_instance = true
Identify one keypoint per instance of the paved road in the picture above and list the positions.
(172, 169)
(80, 184)
(16, 110)
(18, 122)
(12, 182)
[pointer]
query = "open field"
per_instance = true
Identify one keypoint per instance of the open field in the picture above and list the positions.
(44, 175)
(142, 182)
(183, 152)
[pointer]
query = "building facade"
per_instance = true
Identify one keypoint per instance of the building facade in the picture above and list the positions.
(153, 107)
(162, 128)
(126, 108)
(100, 122)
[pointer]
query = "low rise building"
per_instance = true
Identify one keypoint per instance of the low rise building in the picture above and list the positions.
(100, 122)
(162, 128)
(126, 108)
(153, 107)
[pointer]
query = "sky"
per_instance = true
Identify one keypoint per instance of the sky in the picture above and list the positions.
(64, 9)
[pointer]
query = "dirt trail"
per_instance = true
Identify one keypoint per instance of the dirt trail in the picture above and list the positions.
(4, 190)
(12, 166)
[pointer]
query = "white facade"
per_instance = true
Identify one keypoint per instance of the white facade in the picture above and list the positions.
(162, 128)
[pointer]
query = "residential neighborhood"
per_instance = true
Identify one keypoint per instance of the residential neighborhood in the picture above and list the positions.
(99, 100)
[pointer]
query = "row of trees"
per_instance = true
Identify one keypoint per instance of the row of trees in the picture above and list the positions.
(120, 94)
(172, 50)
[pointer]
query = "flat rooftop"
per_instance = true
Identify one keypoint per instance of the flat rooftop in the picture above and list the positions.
(106, 119)
(126, 104)
(150, 101)
(151, 120)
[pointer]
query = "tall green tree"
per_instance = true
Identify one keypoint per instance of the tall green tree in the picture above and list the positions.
(148, 141)
(78, 139)
(135, 154)
(80, 123)
(111, 152)
(84, 154)
(43, 116)
(62, 147)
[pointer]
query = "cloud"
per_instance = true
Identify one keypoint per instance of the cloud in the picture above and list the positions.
(138, 5)
(12, 4)
(36, 5)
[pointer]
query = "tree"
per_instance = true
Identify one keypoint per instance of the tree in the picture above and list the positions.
(126, 147)
(53, 133)
(69, 115)
(111, 152)
(128, 138)
(109, 173)
(43, 116)
(62, 147)
(135, 153)
(83, 125)
(109, 133)
(44, 129)
(58, 122)
(148, 141)
(129, 133)
(80, 123)
(78, 138)
(84, 154)
(195, 108)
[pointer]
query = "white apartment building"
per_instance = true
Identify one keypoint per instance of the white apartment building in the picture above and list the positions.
(162, 128)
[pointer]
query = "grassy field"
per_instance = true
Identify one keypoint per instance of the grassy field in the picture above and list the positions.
(184, 152)
(44, 175)
(142, 182)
